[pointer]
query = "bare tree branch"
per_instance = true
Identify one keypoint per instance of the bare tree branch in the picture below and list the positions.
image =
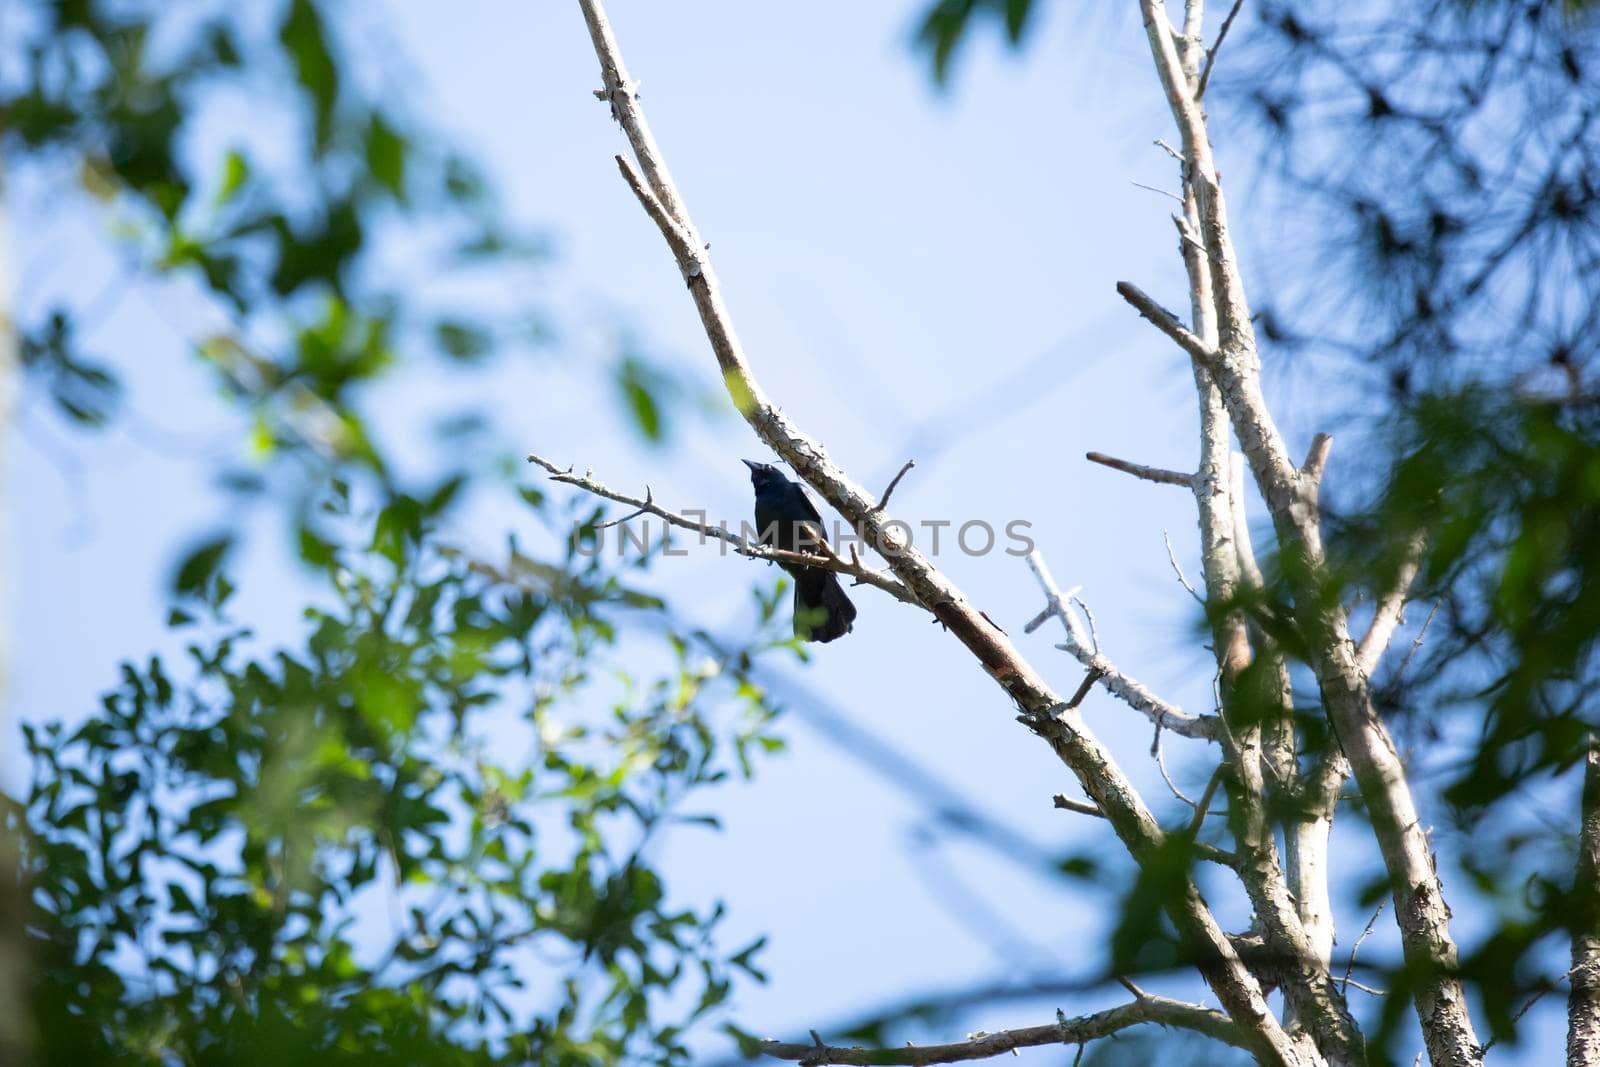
(1420, 909)
(1177, 568)
(1161, 765)
(1317, 457)
(1166, 322)
(1254, 739)
(1063, 728)
(1139, 470)
(883, 501)
(1154, 189)
(1355, 948)
(1391, 607)
(745, 547)
(1064, 1031)
(1206, 798)
(1193, 40)
(1249, 569)
(1066, 803)
(1130, 691)
(1211, 55)
(1416, 643)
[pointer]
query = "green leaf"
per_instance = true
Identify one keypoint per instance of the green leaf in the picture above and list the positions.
(304, 37)
(198, 567)
(640, 386)
(941, 32)
(386, 156)
(314, 549)
(944, 28)
(441, 498)
(235, 172)
(462, 340)
(743, 959)
(399, 526)
(1017, 12)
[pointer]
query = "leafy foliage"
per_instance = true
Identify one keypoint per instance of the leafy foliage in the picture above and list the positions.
(945, 25)
(419, 836)
(422, 832)
(1432, 234)
(279, 233)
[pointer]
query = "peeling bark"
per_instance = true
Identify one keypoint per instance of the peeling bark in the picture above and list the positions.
(1291, 498)
(1583, 1002)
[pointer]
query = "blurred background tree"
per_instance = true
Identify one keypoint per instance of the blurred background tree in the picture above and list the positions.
(1425, 238)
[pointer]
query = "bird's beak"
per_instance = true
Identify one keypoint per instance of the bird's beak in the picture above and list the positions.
(752, 464)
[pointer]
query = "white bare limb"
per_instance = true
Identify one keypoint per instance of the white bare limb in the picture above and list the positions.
(1129, 690)
(1391, 606)
(1139, 470)
(1062, 727)
(1145, 1008)
(1291, 498)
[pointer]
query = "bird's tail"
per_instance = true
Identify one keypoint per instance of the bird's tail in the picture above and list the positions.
(821, 610)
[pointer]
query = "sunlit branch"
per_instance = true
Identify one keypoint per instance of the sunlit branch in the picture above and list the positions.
(1167, 323)
(852, 567)
(1391, 607)
(1129, 690)
(1139, 470)
(1064, 1031)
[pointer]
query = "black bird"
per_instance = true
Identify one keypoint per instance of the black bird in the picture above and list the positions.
(785, 519)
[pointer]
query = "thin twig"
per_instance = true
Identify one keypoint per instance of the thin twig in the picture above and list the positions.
(1526, 1007)
(1156, 189)
(1205, 801)
(649, 499)
(1351, 966)
(1400, 671)
(1391, 606)
(831, 562)
(1128, 690)
(1211, 53)
(883, 501)
(1088, 615)
(1139, 470)
(1084, 686)
(1244, 547)
(671, 227)
(1186, 235)
(1183, 579)
(1161, 764)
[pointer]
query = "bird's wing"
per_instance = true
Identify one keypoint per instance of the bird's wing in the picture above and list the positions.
(810, 509)
(815, 526)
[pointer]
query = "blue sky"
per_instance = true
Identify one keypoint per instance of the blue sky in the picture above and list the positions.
(899, 263)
